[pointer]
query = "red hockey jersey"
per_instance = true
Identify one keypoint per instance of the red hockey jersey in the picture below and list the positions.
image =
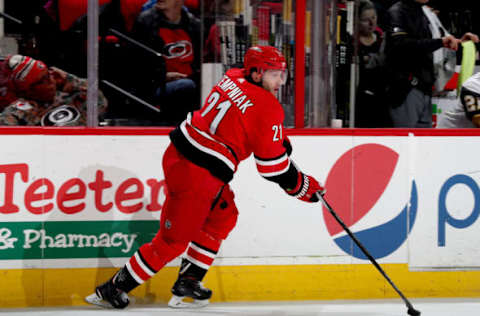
(238, 118)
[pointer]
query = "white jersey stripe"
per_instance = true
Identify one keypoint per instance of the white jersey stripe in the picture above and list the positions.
(204, 134)
(271, 162)
(189, 121)
(142, 265)
(202, 251)
(198, 263)
(276, 173)
(209, 151)
(133, 274)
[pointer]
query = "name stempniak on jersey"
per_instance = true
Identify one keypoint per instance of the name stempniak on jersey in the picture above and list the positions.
(236, 94)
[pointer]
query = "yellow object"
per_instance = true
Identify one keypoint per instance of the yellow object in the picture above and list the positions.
(237, 7)
(308, 28)
(68, 287)
(468, 63)
(339, 24)
(287, 11)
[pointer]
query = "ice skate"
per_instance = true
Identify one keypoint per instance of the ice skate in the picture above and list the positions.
(189, 288)
(108, 296)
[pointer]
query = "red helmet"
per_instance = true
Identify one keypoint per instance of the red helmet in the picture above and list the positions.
(25, 71)
(263, 58)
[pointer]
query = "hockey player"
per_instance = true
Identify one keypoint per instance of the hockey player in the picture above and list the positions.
(240, 116)
(466, 113)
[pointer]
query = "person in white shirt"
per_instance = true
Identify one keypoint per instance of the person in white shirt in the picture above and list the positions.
(466, 113)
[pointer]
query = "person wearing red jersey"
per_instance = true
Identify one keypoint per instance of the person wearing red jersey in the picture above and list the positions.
(172, 82)
(241, 116)
(43, 96)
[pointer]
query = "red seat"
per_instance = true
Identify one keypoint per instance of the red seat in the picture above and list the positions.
(70, 10)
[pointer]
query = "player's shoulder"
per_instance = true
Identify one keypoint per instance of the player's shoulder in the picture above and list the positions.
(470, 92)
(252, 100)
(257, 93)
(473, 83)
(268, 104)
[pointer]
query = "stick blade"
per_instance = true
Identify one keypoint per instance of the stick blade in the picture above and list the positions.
(413, 312)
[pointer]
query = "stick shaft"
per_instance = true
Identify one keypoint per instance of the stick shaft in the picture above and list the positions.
(359, 244)
(135, 42)
(131, 96)
(11, 18)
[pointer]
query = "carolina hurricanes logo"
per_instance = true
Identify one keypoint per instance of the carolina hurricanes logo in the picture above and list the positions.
(64, 115)
(180, 49)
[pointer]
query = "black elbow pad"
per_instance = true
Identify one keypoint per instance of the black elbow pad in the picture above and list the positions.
(287, 145)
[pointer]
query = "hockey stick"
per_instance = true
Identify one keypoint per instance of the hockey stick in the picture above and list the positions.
(11, 18)
(131, 96)
(411, 311)
(136, 43)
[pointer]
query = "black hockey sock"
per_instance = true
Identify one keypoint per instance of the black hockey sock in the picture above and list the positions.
(124, 280)
(192, 271)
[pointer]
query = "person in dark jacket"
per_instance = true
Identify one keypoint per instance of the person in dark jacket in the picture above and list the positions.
(409, 55)
(381, 6)
(370, 108)
(171, 81)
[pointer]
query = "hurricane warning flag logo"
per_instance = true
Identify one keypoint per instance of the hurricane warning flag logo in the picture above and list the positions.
(354, 185)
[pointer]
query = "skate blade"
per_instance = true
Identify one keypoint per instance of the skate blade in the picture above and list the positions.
(178, 302)
(95, 300)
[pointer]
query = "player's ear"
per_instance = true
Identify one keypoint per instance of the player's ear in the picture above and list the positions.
(256, 76)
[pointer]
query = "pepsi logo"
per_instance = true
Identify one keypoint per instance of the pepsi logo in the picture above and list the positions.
(354, 185)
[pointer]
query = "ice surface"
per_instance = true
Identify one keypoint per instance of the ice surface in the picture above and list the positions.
(433, 307)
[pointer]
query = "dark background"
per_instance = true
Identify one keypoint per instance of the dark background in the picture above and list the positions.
(456, 15)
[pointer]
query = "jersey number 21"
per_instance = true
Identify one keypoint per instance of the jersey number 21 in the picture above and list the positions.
(222, 108)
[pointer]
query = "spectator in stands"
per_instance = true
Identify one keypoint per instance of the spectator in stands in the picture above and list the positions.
(45, 96)
(409, 53)
(171, 82)
(381, 7)
(370, 108)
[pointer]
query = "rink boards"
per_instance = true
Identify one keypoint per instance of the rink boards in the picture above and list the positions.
(76, 202)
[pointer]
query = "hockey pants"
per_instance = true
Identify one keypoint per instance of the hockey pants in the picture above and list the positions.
(198, 207)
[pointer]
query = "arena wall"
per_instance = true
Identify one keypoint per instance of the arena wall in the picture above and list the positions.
(75, 203)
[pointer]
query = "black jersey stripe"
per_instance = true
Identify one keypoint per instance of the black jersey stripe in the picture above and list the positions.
(204, 248)
(213, 164)
(145, 262)
(286, 180)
